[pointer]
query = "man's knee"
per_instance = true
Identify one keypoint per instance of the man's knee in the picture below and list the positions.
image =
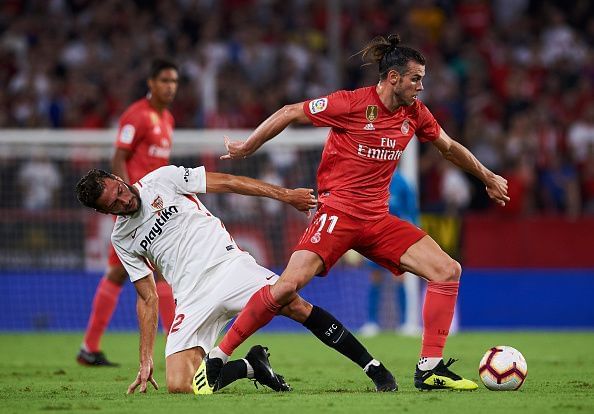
(447, 271)
(116, 274)
(178, 382)
(178, 385)
(285, 291)
(298, 309)
(180, 367)
(302, 266)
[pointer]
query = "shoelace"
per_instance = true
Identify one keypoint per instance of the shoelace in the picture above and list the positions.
(450, 362)
(446, 365)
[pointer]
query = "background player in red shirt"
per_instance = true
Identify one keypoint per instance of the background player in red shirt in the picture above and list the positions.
(143, 144)
(370, 128)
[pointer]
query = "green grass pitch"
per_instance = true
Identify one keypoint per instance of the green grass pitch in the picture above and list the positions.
(38, 373)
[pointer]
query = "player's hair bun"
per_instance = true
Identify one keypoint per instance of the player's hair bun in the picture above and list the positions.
(375, 51)
(388, 53)
(394, 41)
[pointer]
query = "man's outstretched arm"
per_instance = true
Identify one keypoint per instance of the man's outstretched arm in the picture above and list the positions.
(147, 309)
(270, 128)
(302, 199)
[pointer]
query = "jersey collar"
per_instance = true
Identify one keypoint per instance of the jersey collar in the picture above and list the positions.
(379, 101)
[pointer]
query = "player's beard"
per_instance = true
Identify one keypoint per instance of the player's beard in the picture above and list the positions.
(136, 196)
(401, 98)
(405, 99)
(136, 193)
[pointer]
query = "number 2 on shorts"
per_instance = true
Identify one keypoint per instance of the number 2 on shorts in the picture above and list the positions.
(177, 322)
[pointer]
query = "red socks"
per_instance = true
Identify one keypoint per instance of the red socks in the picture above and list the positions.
(438, 312)
(259, 310)
(104, 303)
(166, 305)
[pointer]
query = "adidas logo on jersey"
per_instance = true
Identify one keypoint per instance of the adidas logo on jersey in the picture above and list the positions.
(369, 127)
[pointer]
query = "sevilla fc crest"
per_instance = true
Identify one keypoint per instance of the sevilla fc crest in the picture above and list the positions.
(371, 113)
(157, 203)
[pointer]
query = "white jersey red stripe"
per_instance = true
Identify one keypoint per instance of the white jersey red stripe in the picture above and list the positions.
(173, 230)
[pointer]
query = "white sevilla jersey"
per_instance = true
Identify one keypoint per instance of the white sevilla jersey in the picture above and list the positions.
(173, 230)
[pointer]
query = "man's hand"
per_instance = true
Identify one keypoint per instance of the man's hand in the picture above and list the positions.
(497, 189)
(235, 150)
(145, 374)
(302, 199)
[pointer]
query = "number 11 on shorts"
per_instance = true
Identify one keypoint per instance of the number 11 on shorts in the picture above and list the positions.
(322, 220)
(333, 220)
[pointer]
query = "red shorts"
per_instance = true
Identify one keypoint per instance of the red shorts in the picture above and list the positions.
(333, 232)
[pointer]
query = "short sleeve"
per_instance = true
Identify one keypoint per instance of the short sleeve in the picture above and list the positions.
(428, 128)
(185, 180)
(130, 131)
(329, 111)
(135, 266)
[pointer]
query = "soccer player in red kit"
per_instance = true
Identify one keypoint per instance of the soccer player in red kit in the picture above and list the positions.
(370, 128)
(143, 144)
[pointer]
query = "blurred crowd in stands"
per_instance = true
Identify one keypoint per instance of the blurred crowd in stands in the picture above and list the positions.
(511, 79)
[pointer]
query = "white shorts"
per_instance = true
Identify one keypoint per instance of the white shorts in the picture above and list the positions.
(223, 293)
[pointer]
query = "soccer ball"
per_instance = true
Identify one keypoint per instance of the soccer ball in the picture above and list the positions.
(503, 368)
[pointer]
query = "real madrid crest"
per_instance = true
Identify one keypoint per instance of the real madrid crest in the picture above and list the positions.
(405, 127)
(371, 113)
(316, 238)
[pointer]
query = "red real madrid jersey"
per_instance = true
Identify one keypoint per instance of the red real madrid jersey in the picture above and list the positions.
(146, 133)
(364, 145)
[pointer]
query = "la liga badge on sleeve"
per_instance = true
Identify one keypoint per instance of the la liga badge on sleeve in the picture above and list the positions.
(318, 105)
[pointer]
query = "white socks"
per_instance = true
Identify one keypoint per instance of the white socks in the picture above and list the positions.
(427, 363)
(217, 353)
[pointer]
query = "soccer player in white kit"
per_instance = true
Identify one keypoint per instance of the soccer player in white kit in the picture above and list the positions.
(162, 222)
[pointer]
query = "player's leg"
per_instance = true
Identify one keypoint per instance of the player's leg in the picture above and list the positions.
(247, 292)
(223, 292)
(104, 304)
(426, 259)
(166, 301)
(180, 367)
(400, 246)
(268, 300)
(329, 235)
(181, 370)
(322, 246)
(334, 334)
